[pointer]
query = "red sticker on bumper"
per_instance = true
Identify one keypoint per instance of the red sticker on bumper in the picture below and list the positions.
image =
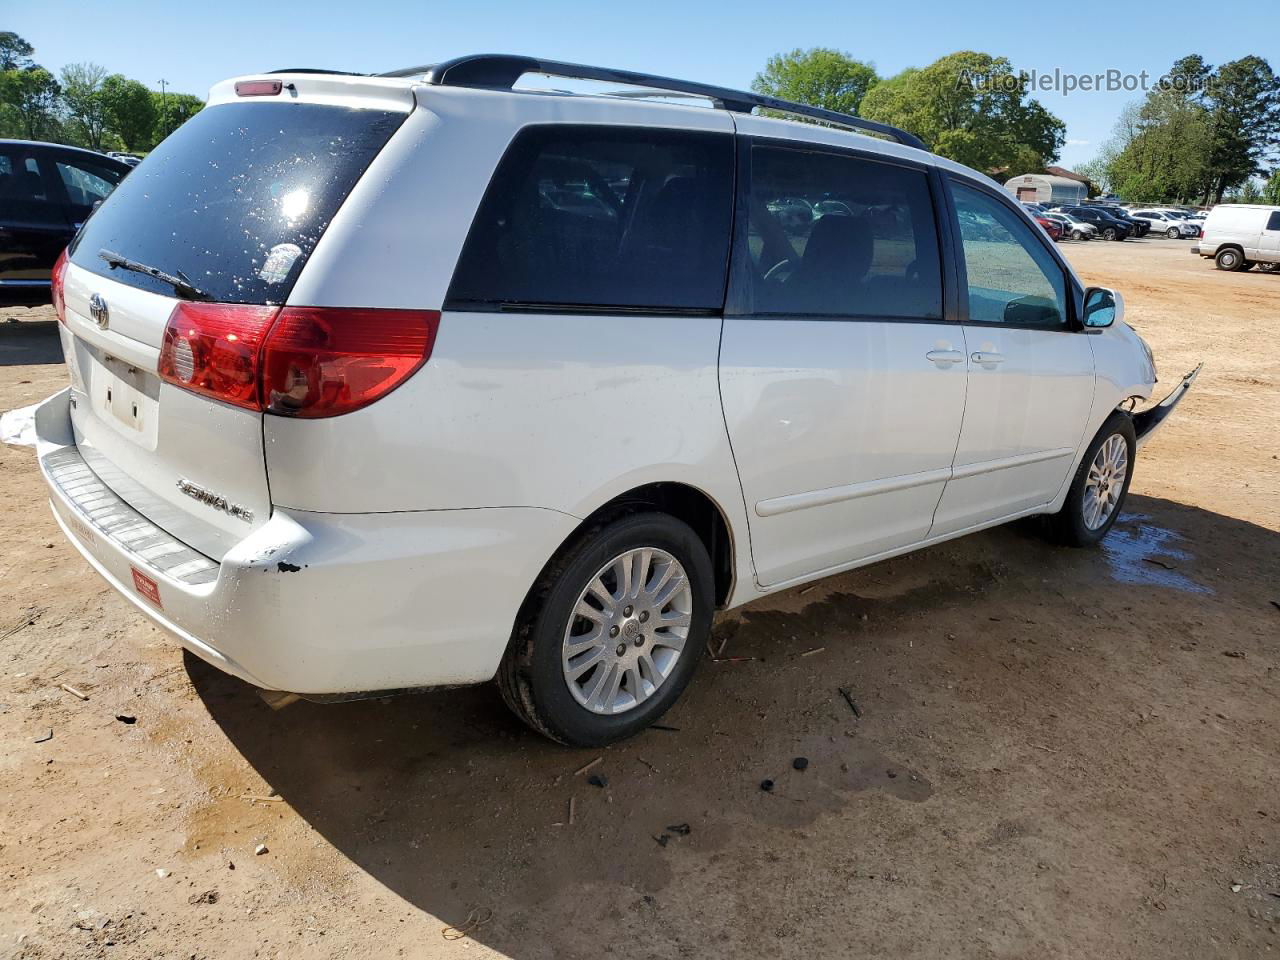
(146, 586)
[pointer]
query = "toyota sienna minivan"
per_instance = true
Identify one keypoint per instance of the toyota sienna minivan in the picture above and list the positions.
(382, 383)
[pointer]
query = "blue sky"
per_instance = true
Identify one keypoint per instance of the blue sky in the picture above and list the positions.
(194, 45)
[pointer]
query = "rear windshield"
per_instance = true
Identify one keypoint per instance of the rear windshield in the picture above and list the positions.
(236, 199)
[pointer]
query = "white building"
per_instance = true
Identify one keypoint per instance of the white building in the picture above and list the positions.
(1046, 188)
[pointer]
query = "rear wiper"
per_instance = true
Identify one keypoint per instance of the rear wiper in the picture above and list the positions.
(181, 285)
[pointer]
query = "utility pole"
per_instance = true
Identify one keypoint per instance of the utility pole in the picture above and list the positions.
(164, 107)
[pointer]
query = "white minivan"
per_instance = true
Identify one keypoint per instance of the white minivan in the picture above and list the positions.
(416, 380)
(1238, 236)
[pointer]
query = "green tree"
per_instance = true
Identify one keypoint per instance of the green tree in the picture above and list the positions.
(85, 105)
(1096, 172)
(31, 95)
(131, 112)
(1166, 152)
(1271, 190)
(15, 53)
(1243, 100)
(973, 108)
(172, 111)
(820, 77)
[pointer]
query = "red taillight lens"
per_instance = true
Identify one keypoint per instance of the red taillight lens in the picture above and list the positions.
(326, 361)
(214, 348)
(57, 283)
(297, 361)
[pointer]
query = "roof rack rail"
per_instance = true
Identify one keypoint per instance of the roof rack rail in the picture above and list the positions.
(502, 71)
(336, 73)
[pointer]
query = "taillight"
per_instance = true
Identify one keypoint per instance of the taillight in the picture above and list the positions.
(326, 361)
(296, 361)
(214, 348)
(57, 284)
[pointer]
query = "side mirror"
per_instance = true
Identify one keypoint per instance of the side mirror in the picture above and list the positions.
(1102, 307)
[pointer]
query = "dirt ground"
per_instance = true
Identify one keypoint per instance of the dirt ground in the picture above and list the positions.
(1060, 753)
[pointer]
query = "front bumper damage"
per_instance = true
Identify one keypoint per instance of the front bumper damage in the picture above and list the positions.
(1149, 421)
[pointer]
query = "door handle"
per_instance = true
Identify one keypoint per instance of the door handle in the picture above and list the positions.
(944, 357)
(986, 358)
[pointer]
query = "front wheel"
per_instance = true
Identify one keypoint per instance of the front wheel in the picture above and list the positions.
(1099, 487)
(1172, 233)
(613, 631)
(1110, 234)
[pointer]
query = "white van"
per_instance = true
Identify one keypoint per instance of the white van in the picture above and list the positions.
(416, 380)
(1239, 235)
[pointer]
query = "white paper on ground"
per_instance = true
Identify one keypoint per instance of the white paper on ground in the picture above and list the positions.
(18, 427)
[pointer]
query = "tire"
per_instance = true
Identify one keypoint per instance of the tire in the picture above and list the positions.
(533, 674)
(1173, 233)
(1109, 233)
(1072, 524)
(1229, 259)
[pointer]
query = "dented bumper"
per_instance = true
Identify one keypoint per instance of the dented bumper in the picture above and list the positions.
(1149, 421)
(314, 603)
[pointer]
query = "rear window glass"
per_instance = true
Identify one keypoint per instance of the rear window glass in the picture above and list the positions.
(602, 217)
(236, 199)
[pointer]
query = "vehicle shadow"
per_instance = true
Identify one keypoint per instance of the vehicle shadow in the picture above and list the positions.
(450, 803)
(29, 342)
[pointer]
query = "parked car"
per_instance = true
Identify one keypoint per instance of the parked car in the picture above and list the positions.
(1137, 228)
(1173, 227)
(1074, 227)
(128, 159)
(540, 444)
(1239, 236)
(46, 191)
(1050, 226)
(1195, 217)
(1108, 226)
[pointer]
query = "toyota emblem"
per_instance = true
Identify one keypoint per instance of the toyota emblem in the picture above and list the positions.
(98, 310)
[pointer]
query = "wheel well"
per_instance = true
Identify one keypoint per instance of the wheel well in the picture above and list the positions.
(693, 507)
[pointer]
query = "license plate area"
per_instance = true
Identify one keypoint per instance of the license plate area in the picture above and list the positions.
(125, 395)
(121, 396)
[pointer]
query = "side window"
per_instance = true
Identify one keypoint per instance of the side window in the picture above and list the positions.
(833, 235)
(25, 197)
(1012, 277)
(20, 179)
(86, 185)
(1273, 221)
(603, 217)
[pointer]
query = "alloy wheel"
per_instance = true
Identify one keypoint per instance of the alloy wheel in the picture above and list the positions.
(1105, 482)
(627, 630)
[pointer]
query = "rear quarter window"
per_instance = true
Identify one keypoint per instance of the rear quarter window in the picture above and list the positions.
(237, 198)
(593, 217)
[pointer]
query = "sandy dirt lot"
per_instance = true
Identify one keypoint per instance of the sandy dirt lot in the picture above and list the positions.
(1060, 754)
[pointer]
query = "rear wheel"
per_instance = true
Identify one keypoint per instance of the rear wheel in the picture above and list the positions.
(1229, 259)
(613, 632)
(1099, 488)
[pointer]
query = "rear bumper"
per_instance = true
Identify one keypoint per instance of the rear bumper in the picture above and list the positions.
(1149, 421)
(315, 603)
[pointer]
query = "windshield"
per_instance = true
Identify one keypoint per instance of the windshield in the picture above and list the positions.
(236, 199)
